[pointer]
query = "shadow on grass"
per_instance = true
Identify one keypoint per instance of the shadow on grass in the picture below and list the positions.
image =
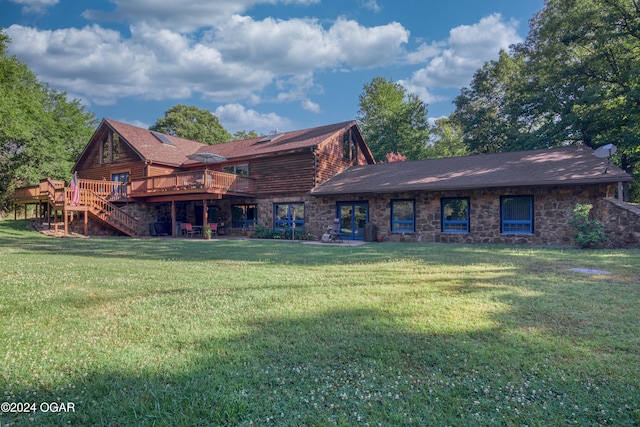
(339, 368)
(19, 236)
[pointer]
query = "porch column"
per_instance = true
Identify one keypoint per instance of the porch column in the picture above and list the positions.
(620, 191)
(205, 219)
(205, 216)
(173, 219)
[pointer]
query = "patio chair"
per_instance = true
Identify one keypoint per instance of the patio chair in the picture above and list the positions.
(186, 229)
(214, 228)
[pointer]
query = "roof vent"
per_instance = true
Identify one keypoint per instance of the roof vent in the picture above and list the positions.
(162, 138)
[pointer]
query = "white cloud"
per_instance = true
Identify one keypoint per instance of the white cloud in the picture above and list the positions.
(466, 50)
(423, 53)
(311, 106)
(301, 45)
(183, 16)
(236, 117)
(236, 61)
(35, 6)
(371, 5)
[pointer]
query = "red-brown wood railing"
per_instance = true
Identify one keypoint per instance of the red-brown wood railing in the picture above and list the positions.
(103, 209)
(111, 190)
(201, 179)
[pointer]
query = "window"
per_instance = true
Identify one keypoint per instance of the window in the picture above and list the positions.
(286, 215)
(349, 148)
(244, 216)
(455, 215)
(403, 214)
(240, 170)
(517, 214)
(110, 148)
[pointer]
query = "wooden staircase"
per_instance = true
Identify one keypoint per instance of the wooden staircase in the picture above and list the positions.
(91, 201)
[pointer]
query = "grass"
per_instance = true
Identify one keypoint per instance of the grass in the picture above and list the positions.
(190, 332)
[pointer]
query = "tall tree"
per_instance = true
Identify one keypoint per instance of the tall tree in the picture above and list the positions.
(585, 74)
(193, 123)
(41, 132)
(482, 109)
(576, 79)
(446, 140)
(393, 121)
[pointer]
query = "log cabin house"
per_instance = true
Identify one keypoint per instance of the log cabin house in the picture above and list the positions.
(136, 182)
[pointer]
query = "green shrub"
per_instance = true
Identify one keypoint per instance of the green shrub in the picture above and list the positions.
(586, 232)
(262, 232)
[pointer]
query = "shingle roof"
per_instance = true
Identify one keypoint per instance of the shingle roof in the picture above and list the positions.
(566, 165)
(287, 141)
(151, 148)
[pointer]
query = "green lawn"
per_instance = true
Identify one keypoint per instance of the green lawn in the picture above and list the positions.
(240, 332)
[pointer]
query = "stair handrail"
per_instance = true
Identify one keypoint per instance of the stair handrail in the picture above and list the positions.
(103, 206)
(54, 189)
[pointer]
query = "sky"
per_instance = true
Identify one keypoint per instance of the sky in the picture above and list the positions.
(261, 65)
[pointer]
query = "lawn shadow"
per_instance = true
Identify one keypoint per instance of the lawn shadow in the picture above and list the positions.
(342, 367)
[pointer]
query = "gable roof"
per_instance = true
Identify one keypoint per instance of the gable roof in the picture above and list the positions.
(150, 147)
(565, 165)
(286, 141)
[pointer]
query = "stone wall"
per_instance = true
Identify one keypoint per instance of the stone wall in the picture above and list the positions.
(621, 221)
(552, 207)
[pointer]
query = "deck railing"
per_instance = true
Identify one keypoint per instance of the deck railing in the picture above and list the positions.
(53, 189)
(202, 179)
(104, 208)
(111, 190)
(27, 193)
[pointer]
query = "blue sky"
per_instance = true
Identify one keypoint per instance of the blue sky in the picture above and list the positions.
(258, 64)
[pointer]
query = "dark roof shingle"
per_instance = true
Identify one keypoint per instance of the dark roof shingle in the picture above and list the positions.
(565, 165)
(151, 148)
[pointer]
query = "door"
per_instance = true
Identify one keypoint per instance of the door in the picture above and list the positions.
(353, 217)
(120, 190)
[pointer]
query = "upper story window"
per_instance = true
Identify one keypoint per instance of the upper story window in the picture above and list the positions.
(517, 214)
(110, 148)
(240, 170)
(349, 148)
(455, 215)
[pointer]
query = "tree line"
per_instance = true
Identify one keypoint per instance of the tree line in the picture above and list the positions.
(574, 80)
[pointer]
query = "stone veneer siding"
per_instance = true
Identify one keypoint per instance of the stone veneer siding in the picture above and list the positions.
(552, 207)
(621, 220)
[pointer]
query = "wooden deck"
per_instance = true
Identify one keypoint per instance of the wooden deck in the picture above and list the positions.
(197, 183)
(97, 197)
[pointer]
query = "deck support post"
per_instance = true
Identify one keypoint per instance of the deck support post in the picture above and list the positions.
(65, 217)
(86, 223)
(173, 219)
(205, 216)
